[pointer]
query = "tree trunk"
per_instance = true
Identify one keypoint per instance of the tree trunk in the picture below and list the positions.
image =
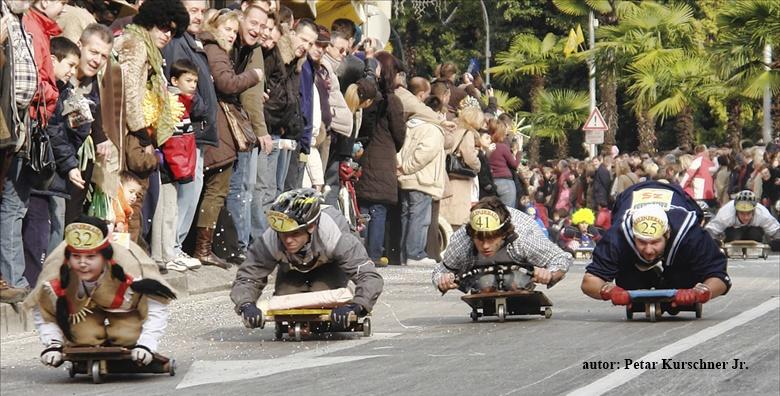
(563, 147)
(776, 116)
(537, 85)
(734, 123)
(533, 150)
(608, 90)
(646, 129)
(684, 127)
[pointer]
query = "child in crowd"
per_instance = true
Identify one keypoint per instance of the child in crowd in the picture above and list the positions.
(532, 212)
(129, 187)
(178, 166)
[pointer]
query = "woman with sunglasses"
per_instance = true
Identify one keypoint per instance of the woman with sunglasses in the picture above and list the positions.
(150, 121)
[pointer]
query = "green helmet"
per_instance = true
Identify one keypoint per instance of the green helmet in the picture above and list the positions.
(294, 210)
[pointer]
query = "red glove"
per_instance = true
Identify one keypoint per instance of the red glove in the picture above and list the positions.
(699, 294)
(617, 294)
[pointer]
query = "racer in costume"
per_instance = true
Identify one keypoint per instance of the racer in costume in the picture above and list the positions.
(313, 250)
(579, 233)
(498, 234)
(88, 282)
(656, 241)
(744, 219)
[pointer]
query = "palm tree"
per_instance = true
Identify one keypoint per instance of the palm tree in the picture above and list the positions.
(559, 111)
(750, 26)
(528, 56)
(507, 104)
(608, 65)
(682, 81)
(649, 38)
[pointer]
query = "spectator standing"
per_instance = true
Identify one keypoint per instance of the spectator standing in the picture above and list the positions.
(218, 37)
(188, 46)
(378, 187)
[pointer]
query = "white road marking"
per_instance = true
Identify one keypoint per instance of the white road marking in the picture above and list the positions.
(204, 372)
(621, 376)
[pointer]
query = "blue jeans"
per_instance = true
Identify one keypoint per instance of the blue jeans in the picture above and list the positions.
(265, 189)
(240, 192)
(415, 220)
(187, 197)
(57, 218)
(16, 197)
(375, 232)
(283, 165)
(506, 191)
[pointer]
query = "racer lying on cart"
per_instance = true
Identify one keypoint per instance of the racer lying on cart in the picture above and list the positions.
(744, 219)
(656, 242)
(93, 292)
(313, 251)
(499, 234)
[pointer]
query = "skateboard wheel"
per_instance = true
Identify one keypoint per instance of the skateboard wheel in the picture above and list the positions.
(698, 310)
(172, 367)
(501, 312)
(629, 313)
(297, 332)
(650, 312)
(474, 316)
(72, 370)
(95, 368)
(547, 313)
(278, 331)
(367, 330)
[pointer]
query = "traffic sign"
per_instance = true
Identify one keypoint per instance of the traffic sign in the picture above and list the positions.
(594, 137)
(595, 121)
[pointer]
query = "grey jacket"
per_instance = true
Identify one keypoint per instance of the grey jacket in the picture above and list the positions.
(332, 246)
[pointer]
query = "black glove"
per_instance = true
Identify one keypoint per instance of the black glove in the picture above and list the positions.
(252, 316)
(340, 316)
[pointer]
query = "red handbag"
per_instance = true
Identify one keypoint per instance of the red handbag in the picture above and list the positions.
(179, 153)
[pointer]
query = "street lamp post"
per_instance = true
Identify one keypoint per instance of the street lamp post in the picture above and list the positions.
(487, 42)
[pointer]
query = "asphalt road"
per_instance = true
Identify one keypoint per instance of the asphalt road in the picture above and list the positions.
(425, 344)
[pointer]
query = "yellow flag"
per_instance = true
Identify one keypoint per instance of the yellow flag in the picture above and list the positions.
(580, 36)
(571, 44)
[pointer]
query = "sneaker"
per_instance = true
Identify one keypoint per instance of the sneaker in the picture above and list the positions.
(188, 261)
(426, 262)
(175, 266)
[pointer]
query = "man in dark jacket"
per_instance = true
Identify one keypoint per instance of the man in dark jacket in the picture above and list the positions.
(283, 112)
(188, 47)
(602, 183)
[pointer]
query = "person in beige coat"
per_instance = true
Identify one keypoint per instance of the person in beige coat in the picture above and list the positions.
(421, 177)
(456, 204)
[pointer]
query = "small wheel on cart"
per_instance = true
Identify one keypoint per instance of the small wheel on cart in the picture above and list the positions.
(297, 332)
(96, 377)
(367, 330)
(278, 331)
(650, 312)
(698, 310)
(501, 312)
(72, 369)
(474, 315)
(172, 367)
(548, 313)
(629, 313)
